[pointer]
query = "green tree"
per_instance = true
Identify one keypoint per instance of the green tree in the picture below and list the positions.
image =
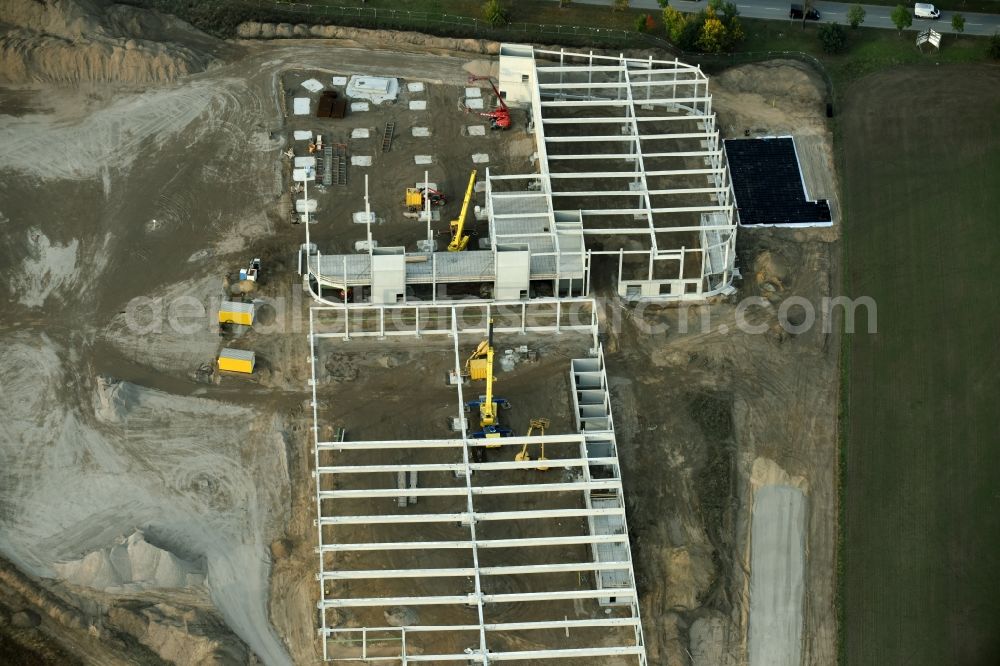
(958, 23)
(727, 9)
(619, 5)
(856, 15)
(901, 18)
(833, 37)
(993, 50)
(675, 22)
(663, 3)
(734, 33)
(494, 13)
(712, 38)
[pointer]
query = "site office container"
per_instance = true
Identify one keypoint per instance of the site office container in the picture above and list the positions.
(237, 360)
(234, 312)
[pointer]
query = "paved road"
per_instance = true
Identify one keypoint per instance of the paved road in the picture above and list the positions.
(876, 16)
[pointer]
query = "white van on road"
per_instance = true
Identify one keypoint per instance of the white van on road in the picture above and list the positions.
(926, 11)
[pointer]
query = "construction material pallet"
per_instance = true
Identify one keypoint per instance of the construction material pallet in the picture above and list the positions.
(327, 165)
(338, 163)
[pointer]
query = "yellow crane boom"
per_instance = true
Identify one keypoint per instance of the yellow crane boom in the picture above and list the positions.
(480, 366)
(459, 239)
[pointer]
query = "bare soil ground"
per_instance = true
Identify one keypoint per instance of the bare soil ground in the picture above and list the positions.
(713, 412)
(112, 195)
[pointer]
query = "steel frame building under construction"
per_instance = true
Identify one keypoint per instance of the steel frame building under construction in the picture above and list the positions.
(629, 164)
(630, 167)
(574, 599)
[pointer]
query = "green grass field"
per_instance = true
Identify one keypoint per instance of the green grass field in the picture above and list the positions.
(919, 151)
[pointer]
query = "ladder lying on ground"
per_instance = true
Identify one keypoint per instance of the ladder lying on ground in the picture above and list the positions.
(390, 127)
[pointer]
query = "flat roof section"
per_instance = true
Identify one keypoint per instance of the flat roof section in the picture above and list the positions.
(770, 190)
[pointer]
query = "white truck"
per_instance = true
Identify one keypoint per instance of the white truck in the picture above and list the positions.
(926, 11)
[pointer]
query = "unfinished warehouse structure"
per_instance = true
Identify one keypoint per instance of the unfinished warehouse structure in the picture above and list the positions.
(628, 154)
(446, 547)
(631, 175)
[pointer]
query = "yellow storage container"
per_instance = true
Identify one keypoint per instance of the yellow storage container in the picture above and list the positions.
(234, 312)
(237, 360)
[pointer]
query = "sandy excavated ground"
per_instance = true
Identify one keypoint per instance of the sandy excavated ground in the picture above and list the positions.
(109, 195)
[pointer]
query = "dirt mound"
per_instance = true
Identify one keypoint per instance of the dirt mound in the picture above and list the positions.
(180, 636)
(776, 78)
(134, 564)
(80, 40)
(770, 98)
(255, 30)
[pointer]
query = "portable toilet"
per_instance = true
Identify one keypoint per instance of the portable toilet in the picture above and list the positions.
(234, 312)
(236, 360)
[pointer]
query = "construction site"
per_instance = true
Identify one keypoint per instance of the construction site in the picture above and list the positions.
(433, 397)
(466, 561)
(660, 206)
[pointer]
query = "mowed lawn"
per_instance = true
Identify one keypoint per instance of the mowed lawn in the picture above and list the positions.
(920, 151)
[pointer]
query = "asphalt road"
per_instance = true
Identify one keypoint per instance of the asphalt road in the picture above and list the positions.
(876, 16)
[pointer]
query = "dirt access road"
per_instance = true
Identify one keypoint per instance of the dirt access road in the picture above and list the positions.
(154, 193)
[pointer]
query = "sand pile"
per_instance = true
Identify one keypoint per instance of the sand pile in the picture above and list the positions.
(255, 30)
(775, 78)
(89, 40)
(132, 565)
(769, 98)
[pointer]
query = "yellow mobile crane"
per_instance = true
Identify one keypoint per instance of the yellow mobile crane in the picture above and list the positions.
(540, 425)
(480, 366)
(460, 239)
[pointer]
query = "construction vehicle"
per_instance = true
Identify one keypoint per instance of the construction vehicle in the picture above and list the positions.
(480, 366)
(460, 239)
(251, 272)
(540, 425)
(500, 116)
(417, 198)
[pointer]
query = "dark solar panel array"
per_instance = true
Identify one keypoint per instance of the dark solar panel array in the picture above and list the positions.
(768, 185)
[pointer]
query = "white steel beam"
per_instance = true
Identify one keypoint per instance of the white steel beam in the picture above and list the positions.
(516, 440)
(568, 653)
(366, 574)
(562, 624)
(519, 597)
(535, 514)
(621, 193)
(623, 137)
(460, 572)
(614, 120)
(368, 602)
(529, 655)
(453, 467)
(554, 487)
(623, 593)
(621, 102)
(584, 540)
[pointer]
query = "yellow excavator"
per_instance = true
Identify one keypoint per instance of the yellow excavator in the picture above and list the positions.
(480, 366)
(540, 425)
(460, 239)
